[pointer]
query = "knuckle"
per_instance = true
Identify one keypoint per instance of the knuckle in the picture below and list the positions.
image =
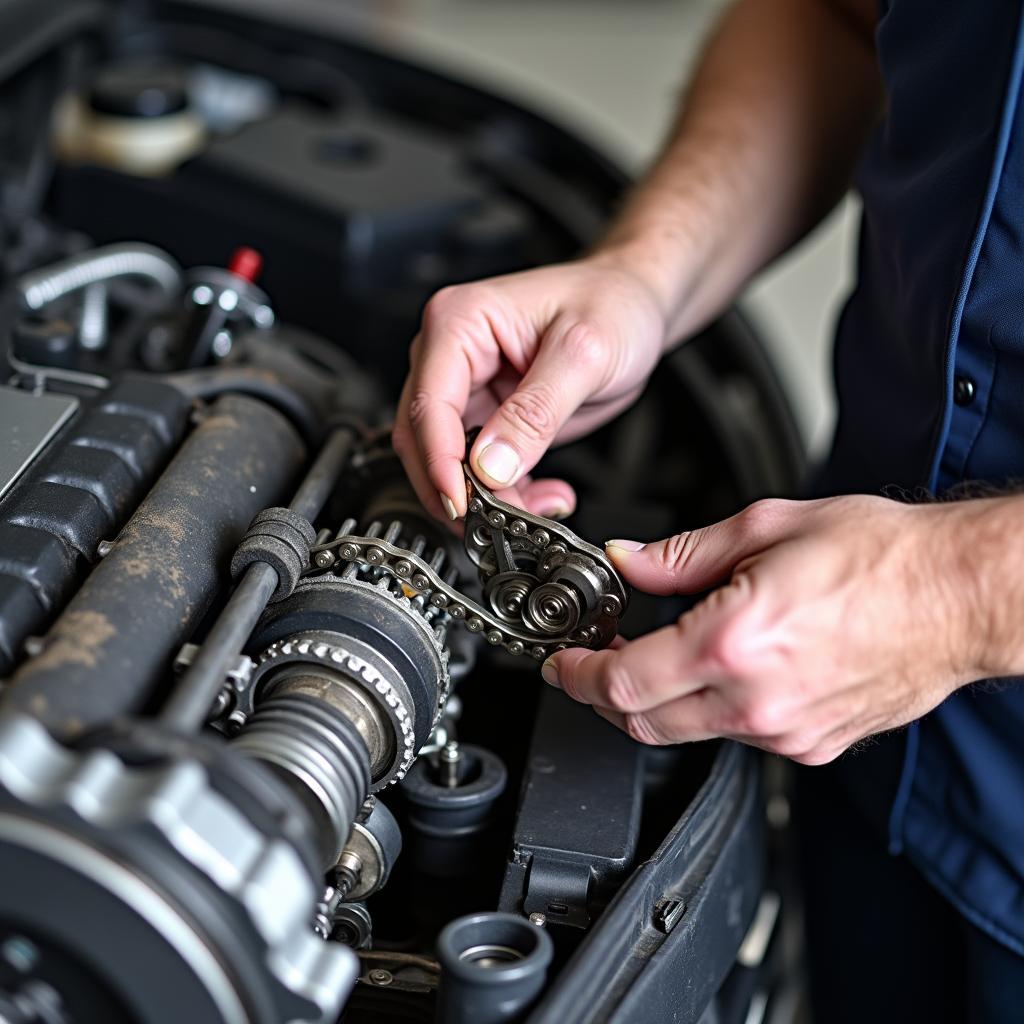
(760, 515)
(787, 745)
(724, 651)
(640, 728)
(441, 305)
(620, 690)
(678, 550)
(419, 405)
(585, 345)
(765, 716)
(533, 412)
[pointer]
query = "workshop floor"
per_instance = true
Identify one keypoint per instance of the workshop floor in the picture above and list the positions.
(610, 71)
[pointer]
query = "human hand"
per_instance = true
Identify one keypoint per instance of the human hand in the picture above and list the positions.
(840, 619)
(538, 357)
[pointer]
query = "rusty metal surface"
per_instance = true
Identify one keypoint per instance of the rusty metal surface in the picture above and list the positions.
(107, 653)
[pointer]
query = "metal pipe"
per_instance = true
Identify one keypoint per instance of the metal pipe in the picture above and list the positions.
(316, 487)
(40, 287)
(108, 652)
(190, 703)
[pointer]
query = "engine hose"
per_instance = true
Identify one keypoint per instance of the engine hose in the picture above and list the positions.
(38, 288)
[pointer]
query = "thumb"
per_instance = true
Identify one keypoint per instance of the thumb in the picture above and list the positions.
(568, 369)
(690, 562)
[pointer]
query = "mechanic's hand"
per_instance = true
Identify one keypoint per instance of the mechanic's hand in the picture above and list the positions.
(841, 618)
(536, 357)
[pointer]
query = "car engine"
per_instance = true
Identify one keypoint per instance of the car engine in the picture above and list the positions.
(273, 742)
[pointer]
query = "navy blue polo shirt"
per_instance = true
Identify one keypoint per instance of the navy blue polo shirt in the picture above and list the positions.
(930, 377)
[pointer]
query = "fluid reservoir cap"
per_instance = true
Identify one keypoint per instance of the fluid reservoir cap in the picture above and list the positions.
(139, 89)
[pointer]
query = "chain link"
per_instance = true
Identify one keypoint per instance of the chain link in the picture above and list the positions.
(545, 589)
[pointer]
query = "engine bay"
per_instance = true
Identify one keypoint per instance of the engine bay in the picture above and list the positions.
(273, 743)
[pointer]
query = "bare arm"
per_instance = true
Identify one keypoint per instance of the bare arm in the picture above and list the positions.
(763, 147)
(765, 143)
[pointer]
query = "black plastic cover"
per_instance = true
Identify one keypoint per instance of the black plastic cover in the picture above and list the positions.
(579, 816)
(80, 491)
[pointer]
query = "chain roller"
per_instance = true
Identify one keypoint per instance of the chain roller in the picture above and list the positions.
(544, 589)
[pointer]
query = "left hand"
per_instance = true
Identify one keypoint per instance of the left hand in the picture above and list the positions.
(839, 619)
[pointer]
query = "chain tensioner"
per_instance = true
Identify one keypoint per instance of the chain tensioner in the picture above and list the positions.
(544, 589)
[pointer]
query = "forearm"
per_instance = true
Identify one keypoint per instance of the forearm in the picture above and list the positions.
(763, 147)
(980, 548)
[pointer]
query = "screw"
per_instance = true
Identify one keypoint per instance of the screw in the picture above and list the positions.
(538, 919)
(324, 559)
(346, 873)
(450, 758)
(378, 976)
(220, 705)
(104, 548)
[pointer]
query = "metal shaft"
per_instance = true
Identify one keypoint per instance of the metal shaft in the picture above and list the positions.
(190, 703)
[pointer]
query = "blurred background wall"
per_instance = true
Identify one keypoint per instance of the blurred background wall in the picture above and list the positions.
(611, 70)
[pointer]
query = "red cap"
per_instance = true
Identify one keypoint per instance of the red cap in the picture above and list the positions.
(246, 263)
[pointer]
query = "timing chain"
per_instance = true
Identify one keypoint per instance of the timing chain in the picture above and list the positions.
(546, 588)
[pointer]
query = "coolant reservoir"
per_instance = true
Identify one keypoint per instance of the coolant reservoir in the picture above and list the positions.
(136, 118)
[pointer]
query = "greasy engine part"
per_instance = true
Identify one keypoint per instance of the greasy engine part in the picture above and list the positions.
(194, 859)
(450, 802)
(266, 565)
(366, 645)
(77, 493)
(367, 183)
(160, 574)
(545, 588)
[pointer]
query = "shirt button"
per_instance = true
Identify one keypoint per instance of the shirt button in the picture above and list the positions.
(963, 390)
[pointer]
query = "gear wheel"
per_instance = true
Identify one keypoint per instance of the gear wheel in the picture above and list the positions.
(371, 631)
(127, 843)
(352, 660)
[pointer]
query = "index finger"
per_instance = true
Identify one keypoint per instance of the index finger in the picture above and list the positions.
(429, 426)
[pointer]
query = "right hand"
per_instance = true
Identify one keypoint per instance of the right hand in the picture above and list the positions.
(538, 357)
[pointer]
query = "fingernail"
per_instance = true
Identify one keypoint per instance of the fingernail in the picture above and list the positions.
(624, 545)
(556, 512)
(449, 507)
(549, 672)
(499, 461)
